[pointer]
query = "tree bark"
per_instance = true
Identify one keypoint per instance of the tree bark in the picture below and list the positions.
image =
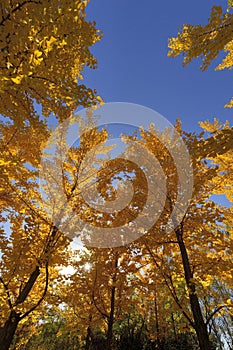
(7, 332)
(88, 338)
(200, 325)
(112, 309)
(174, 327)
(158, 340)
(89, 334)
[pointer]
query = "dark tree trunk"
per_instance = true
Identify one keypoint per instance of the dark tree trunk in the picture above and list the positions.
(174, 327)
(111, 319)
(200, 325)
(89, 334)
(158, 340)
(112, 309)
(7, 332)
(88, 338)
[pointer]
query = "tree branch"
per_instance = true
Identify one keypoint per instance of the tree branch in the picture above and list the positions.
(171, 290)
(28, 286)
(7, 292)
(214, 312)
(17, 8)
(43, 295)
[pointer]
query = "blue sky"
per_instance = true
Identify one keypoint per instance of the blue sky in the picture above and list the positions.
(133, 65)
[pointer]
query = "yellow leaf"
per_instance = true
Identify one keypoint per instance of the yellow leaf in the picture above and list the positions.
(17, 80)
(37, 53)
(9, 65)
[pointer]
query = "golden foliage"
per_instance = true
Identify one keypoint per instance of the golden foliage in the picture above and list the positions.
(44, 47)
(206, 41)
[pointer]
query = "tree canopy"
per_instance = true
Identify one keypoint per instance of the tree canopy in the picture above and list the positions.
(207, 41)
(163, 289)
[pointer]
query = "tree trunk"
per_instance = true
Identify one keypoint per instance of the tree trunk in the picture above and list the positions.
(7, 332)
(88, 338)
(200, 325)
(110, 326)
(89, 334)
(112, 309)
(174, 327)
(158, 341)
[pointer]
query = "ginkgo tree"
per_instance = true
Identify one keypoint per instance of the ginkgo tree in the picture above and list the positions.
(197, 250)
(207, 41)
(189, 261)
(45, 46)
(32, 246)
